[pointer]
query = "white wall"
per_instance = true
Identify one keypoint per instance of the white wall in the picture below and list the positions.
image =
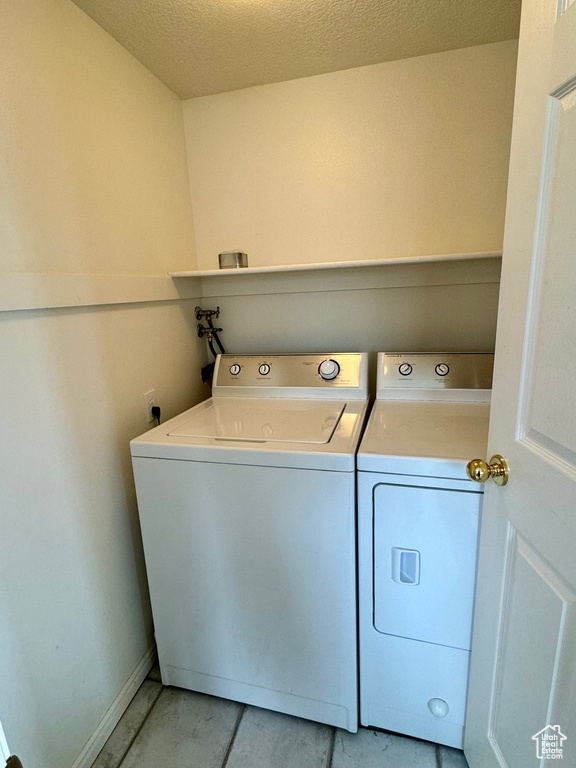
(404, 158)
(74, 609)
(92, 154)
(94, 180)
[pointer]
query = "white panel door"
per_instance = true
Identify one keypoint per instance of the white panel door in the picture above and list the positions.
(523, 673)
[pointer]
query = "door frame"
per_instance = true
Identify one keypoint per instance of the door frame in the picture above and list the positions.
(4, 750)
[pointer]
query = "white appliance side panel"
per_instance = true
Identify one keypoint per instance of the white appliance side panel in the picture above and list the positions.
(253, 583)
(425, 550)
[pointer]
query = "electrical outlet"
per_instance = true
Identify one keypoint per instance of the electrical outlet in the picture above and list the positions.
(149, 403)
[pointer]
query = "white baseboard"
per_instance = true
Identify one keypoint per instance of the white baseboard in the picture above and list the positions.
(115, 711)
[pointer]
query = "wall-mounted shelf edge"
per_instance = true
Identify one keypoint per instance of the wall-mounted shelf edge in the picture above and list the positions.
(291, 268)
(29, 291)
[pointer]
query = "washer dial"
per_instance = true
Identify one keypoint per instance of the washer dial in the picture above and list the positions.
(405, 369)
(235, 369)
(264, 369)
(328, 369)
(442, 369)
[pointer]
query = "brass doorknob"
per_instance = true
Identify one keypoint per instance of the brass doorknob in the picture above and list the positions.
(479, 471)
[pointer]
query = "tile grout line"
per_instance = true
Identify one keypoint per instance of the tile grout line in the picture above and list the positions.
(438, 758)
(234, 734)
(133, 739)
(331, 749)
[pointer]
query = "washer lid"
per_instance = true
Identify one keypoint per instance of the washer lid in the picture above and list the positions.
(428, 438)
(271, 421)
(336, 425)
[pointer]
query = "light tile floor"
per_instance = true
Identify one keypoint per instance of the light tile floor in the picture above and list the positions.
(173, 728)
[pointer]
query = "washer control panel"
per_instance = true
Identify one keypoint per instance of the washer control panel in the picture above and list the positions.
(285, 372)
(433, 371)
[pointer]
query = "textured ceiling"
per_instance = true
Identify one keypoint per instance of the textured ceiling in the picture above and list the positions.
(199, 47)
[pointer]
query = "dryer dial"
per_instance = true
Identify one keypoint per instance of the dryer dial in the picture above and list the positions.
(442, 369)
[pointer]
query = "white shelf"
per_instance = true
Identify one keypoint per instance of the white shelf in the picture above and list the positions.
(50, 290)
(290, 268)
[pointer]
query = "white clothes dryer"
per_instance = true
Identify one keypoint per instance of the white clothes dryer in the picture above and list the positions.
(247, 508)
(418, 525)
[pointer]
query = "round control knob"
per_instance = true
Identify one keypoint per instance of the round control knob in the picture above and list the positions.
(235, 369)
(442, 369)
(328, 369)
(405, 369)
(264, 369)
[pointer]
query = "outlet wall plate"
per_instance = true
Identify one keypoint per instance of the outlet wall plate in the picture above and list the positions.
(149, 403)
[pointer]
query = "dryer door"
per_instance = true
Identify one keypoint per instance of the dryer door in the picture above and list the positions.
(425, 544)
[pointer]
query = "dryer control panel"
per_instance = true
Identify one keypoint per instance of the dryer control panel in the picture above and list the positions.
(466, 376)
(332, 374)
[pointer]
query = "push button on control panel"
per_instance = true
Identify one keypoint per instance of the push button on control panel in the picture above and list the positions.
(264, 369)
(235, 369)
(405, 369)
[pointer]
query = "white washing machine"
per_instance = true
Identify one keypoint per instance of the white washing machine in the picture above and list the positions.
(418, 526)
(247, 508)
